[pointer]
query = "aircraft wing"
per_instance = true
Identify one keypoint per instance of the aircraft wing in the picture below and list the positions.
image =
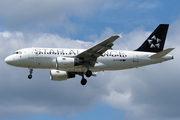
(94, 52)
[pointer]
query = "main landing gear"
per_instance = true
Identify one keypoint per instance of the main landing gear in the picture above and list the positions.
(83, 81)
(88, 74)
(30, 71)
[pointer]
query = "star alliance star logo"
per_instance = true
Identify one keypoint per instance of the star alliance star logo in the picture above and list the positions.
(154, 42)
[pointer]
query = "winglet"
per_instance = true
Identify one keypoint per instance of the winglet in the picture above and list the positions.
(120, 35)
(162, 53)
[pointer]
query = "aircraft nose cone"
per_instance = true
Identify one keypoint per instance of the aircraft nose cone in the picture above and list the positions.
(8, 60)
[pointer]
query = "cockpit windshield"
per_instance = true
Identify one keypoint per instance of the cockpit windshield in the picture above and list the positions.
(17, 52)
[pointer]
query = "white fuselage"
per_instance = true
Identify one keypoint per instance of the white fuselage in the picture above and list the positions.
(45, 58)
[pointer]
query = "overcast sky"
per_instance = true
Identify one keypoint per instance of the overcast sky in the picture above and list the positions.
(146, 93)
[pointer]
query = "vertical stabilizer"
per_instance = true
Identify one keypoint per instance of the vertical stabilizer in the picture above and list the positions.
(155, 42)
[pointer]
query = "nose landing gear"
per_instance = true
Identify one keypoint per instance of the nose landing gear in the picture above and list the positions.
(30, 71)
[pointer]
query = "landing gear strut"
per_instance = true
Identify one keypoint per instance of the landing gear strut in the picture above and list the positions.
(83, 80)
(30, 71)
(88, 73)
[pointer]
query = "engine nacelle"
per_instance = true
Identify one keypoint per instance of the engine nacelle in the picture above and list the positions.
(58, 75)
(66, 62)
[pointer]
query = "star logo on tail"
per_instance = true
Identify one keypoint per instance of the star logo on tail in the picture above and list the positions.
(154, 42)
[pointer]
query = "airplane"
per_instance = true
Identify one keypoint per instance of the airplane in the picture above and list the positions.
(67, 63)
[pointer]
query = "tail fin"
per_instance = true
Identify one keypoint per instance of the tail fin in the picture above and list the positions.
(155, 42)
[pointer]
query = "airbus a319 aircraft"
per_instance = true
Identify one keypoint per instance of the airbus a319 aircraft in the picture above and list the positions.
(67, 63)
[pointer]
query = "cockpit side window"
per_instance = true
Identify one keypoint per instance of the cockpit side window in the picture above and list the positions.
(17, 52)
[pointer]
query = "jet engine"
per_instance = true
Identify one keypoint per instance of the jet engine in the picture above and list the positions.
(58, 75)
(66, 62)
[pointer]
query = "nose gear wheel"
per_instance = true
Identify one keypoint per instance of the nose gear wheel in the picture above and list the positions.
(30, 71)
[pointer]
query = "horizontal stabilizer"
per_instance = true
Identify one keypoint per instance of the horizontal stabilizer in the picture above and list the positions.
(162, 53)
